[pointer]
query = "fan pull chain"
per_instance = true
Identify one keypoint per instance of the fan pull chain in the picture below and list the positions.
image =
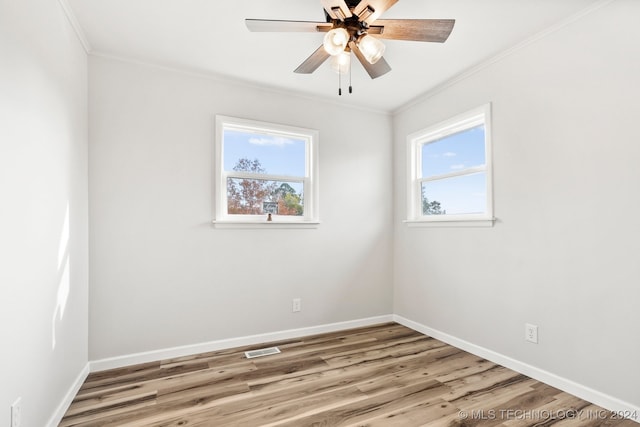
(350, 88)
(339, 83)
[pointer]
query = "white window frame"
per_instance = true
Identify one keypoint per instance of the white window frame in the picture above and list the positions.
(415, 142)
(309, 181)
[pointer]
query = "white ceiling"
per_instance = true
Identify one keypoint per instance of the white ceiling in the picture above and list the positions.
(211, 37)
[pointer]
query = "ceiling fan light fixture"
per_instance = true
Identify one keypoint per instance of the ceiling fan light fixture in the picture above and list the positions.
(341, 62)
(371, 48)
(335, 41)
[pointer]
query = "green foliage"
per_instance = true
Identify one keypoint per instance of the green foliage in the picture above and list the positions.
(290, 204)
(285, 189)
(431, 208)
(247, 196)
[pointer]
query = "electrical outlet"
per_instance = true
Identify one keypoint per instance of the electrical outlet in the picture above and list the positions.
(296, 305)
(16, 413)
(531, 333)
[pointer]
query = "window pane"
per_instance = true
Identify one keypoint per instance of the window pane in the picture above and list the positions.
(454, 152)
(263, 153)
(260, 197)
(459, 195)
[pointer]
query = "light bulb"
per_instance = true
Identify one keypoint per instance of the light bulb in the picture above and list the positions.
(371, 48)
(335, 41)
(341, 62)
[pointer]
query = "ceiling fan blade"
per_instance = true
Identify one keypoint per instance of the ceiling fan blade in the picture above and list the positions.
(336, 9)
(423, 30)
(370, 10)
(271, 25)
(313, 62)
(374, 70)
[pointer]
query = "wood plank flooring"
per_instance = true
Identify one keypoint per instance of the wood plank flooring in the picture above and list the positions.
(384, 375)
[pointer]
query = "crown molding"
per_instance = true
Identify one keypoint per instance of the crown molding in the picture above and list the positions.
(224, 78)
(75, 24)
(502, 55)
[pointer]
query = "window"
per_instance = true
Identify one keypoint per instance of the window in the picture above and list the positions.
(265, 173)
(450, 172)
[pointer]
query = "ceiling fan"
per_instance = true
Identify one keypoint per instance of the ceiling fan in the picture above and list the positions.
(353, 26)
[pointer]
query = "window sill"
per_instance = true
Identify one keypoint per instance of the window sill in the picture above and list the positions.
(265, 224)
(480, 222)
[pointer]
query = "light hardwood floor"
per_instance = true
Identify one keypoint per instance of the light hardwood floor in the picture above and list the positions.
(384, 375)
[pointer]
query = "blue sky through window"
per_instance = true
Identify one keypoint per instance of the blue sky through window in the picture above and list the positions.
(458, 195)
(278, 155)
(455, 152)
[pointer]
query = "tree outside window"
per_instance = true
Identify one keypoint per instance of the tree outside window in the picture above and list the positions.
(265, 169)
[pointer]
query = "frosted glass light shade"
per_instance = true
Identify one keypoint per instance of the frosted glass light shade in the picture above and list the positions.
(371, 48)
(341, 62)
(335, 41)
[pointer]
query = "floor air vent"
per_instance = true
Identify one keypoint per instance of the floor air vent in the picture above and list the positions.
(261, 352)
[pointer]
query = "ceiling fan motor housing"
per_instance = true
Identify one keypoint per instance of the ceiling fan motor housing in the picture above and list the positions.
(354, 27)
(351, 4)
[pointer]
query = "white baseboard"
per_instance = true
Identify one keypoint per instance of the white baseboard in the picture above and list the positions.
(55, 419)
(168, 353)
(579, 390)
(609, 402)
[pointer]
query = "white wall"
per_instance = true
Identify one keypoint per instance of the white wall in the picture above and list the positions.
(162, 276)
(43, 208)
(564, 251)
